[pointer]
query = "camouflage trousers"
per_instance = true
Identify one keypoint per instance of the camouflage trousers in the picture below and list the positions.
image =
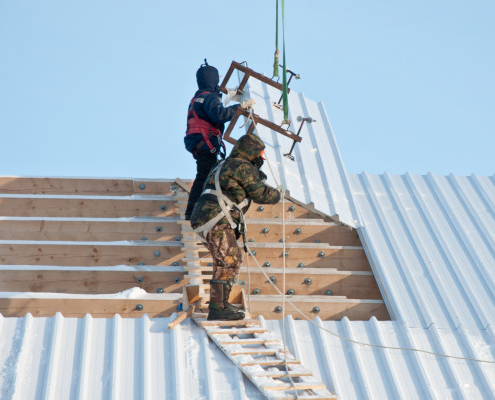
(222, 244)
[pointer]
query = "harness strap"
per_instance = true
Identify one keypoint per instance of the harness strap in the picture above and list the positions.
(198, 125)
(226, 205)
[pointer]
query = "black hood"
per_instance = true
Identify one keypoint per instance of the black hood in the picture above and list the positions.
(207, 78)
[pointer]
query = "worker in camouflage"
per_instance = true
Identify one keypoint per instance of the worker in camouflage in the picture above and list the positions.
(239, 178)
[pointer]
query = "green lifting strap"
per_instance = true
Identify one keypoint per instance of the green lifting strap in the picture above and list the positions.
(284, 72)
(275, 58)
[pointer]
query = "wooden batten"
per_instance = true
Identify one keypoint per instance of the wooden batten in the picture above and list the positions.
(313, 281)
(90, 281)
(81, 207)
(90, 254)
(98, 306)
(330, 308)
(90, 230)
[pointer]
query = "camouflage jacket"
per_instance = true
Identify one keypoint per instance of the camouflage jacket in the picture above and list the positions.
(239, 179)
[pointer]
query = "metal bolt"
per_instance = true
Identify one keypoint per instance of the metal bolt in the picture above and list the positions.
(290, 292)
(159, 290)
(266, 264)
(278, 309)
(144, 238)
(261, 208)
(139, 307)
(210, 264)
(141, 263)
(308, 281)
(173, 187)
(300, 265)
(328, 292)
(256, 291)
(298, 231)
(316, 309)
(253, 252)
(292, 208)
(163, 207)
(273, 279)
(139, 279)
(317, 241)
(142, 186)
(286, 254)
(176, 280)
(177, 238)
(175, 264)
(265, 231)
(251, 240)
(157, 253)
(281, 240)
(321, 254)
(158, 229)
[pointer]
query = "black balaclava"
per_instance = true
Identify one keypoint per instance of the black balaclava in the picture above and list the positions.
(208, 78)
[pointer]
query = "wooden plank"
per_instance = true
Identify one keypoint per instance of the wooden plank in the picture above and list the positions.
(330, 308)
(90, 254)
(87, 207)
(298, 386)
(82, 281)
(335, 235)
(89, 230)
(344, 259)
(237, 331)
(81, 186)
(353, 285)
(158, 186)
(275, 211)
(269, 363)
(79, 307)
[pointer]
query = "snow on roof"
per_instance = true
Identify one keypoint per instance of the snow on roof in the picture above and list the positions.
(139, 358)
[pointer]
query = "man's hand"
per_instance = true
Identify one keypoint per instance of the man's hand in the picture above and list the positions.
(262, 175)
(247, 104)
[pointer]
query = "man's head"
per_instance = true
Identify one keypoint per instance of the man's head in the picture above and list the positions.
(207, 78)
(249, 147)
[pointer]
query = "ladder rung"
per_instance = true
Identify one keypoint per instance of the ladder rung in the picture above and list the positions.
(268, 363)
(283, 374)
(230, 323)
(256, 352)
(249, 341)
(237, 331)
(298, 386)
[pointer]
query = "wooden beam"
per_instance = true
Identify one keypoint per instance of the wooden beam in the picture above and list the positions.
(162, 306)
(330, 308)
(333, 234)
(89, 230)
(314, 281)
(90, 254)
(53, 206)
(90, 281)
(292, 210)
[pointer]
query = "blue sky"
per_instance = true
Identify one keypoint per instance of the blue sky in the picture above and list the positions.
(101, 88)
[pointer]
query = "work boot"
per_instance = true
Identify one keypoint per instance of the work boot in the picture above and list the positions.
(227, 289)
(217, 309)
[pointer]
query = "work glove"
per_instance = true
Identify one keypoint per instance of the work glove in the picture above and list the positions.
(231, 96)
(262, 175)
(247, 104)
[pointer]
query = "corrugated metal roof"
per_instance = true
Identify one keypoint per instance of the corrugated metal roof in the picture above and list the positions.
(431, 241)
(317, 175)
(93, 358)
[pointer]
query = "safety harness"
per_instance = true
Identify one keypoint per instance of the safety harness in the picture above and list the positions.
(226, 206)
(198, 125)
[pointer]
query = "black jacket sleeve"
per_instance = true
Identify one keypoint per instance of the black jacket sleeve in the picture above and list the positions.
(215, 111)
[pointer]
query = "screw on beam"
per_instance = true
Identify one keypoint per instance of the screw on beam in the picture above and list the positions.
(139, 279)
(298, 231)
(251, 240)
(316, 309)
(139, 307)
(175, 264)
(266, 264)
(273, 279)
(328, 292)
(265, 231)
(163, 207)
(159, 290)
(278, 309)
(286, 254)
(142, 186)
(291, 292)
(292, 208)
(321, 254)
(301, 265)
(177, 279)
(256, 291)
(156, 253)
(308, 281)
(158, 229)
(261, 208)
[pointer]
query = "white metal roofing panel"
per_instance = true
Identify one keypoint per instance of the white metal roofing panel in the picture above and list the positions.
(431, 241)
(317, 175)
(139, 358)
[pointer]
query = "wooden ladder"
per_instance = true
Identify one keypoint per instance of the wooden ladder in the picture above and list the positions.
(261, 356)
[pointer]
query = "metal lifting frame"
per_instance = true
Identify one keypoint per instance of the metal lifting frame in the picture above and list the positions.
(248, 72)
